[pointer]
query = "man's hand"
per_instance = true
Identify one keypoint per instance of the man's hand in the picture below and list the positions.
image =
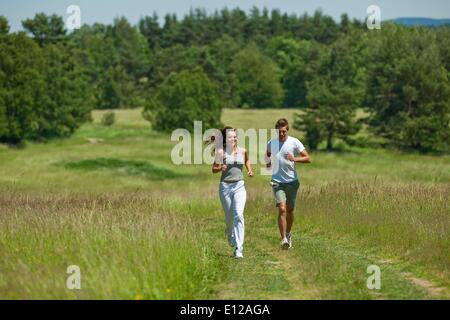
(290, 156)
(268, 160)
(224, 167)
(303, 158)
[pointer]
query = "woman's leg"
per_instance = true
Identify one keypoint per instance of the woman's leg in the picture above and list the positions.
(239, 199)
(226, 200)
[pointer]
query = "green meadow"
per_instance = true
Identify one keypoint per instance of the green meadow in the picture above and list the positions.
(110, 201)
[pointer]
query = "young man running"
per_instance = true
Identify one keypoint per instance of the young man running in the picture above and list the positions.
(287, 151)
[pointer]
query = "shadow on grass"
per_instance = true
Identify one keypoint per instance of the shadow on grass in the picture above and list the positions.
(123, 166)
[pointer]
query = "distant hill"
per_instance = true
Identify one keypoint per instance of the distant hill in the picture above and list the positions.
(421, 21)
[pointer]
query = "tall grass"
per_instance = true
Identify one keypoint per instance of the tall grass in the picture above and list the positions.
(126, 247)
(110, 201)
(406, 221)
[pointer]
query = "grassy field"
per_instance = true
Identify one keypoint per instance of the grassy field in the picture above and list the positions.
(110, 201)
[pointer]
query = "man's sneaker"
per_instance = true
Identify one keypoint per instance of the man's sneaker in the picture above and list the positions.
(284, 244)
(289, 239)
(238, 253)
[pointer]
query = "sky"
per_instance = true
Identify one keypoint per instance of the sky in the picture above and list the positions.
(104, 11)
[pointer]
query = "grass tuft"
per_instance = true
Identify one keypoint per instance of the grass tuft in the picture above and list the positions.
(123, 166)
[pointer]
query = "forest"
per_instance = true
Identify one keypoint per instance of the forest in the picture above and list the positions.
(341, 76)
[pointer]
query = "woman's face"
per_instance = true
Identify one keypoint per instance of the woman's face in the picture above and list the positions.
(231, 139)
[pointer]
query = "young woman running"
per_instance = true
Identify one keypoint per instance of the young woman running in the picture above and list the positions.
(229, 160)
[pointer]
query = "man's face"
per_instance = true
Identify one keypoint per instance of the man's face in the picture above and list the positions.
(282, 133)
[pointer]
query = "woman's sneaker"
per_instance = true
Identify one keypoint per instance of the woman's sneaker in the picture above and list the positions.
(284, 244)
(238, 253)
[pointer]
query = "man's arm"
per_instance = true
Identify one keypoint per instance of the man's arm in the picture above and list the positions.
(302, 158)
(268, 161)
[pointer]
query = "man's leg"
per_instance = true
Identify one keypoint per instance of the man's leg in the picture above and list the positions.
(291, 196)
(282, 221)
(280, 197)
(289, 219)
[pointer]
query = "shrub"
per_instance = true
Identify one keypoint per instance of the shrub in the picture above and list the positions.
(109, 118)
(44, 94)
(183, 98)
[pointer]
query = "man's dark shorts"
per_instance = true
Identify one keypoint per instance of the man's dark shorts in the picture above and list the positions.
(285, 192)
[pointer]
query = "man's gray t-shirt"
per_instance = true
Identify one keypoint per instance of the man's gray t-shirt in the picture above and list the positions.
(284, 169)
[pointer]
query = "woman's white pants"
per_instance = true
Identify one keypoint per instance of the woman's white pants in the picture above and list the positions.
(233, 196)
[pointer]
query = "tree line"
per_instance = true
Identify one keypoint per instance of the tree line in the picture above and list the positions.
(180, 70)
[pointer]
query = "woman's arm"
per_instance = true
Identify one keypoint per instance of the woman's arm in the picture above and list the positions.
(248, 165)
(217, 167)
(218, 164)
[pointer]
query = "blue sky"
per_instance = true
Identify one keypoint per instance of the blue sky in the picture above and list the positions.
(105, 11)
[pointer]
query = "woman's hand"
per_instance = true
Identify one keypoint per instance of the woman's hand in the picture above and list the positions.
(250, 173)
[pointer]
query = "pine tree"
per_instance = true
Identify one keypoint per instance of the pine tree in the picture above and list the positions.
(409, 89)
(4, 26)
(333, 96)
(151, 30)
(45, 29)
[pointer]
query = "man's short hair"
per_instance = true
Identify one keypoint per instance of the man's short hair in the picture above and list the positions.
(282, 123)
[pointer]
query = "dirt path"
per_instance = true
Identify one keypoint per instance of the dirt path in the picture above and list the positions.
(315, 268)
